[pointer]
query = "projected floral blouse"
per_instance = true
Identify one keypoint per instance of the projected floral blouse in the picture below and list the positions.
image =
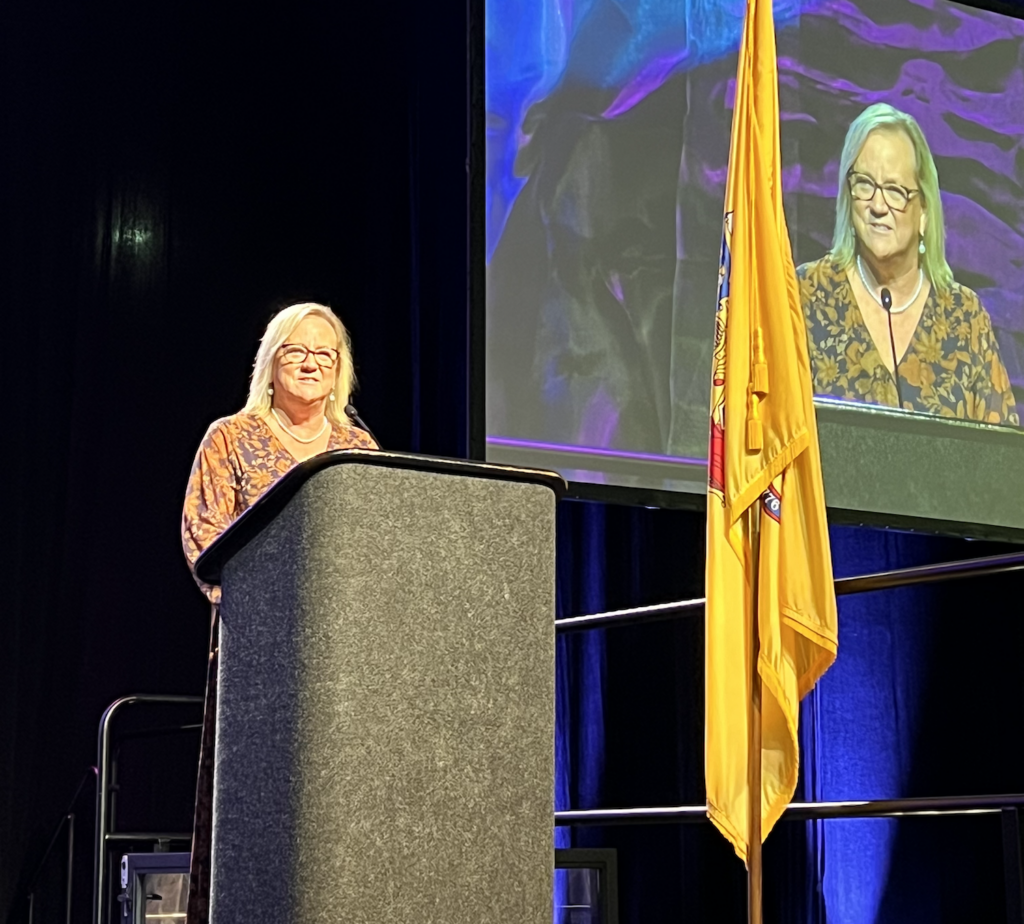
(952, 367)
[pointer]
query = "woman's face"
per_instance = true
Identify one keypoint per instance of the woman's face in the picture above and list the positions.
(884, 233)
(307, 379)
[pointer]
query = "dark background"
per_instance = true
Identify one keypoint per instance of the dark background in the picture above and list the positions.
(169, 175)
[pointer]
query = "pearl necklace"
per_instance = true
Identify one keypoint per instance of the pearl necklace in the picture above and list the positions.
(293, 435)
(902, 308)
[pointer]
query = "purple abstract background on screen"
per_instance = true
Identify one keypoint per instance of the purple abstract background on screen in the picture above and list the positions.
(608, 133)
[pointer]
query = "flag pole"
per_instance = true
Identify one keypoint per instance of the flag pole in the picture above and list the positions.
(754, 899)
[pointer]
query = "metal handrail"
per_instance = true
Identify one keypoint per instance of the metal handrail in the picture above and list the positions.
(880, 580)
(932, 574)
(112, 837)
(103, 793)
(67, 820)
(636, 614)
(1007, 806)
(801, 811)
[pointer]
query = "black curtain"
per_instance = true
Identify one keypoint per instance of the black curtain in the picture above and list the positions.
(169, 175)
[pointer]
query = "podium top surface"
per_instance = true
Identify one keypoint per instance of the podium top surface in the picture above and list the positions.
(210, 564)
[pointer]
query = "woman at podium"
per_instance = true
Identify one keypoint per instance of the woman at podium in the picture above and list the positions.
(301, 382)
(886, 322)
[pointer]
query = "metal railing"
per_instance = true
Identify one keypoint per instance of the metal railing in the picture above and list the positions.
(66, 823)
(881, 580)
(802, 811)
(1007, 806)
(104, 789)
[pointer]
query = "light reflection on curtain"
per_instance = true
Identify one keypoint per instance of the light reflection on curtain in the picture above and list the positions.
(863, 719)
(132, 237)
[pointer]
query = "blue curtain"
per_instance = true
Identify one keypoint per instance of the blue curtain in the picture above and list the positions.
(861, 722)
(919, 703)
(580, 742)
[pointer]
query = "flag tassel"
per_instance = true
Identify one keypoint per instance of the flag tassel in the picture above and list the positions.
(755, 432)
(760, 365)
(758, 392)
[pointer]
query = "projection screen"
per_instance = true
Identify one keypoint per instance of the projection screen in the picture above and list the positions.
(599, 192)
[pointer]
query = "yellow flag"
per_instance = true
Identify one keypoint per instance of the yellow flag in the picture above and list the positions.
(764, 467)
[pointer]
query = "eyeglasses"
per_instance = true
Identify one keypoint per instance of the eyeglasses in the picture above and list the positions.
(294, 353)
(897, 197)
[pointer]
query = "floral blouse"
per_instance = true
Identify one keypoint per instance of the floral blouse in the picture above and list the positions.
(239, 458)
(951, 368)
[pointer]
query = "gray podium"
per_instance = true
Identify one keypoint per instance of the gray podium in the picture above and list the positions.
(385, 718)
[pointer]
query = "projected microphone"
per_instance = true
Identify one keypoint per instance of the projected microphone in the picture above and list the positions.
(887, 305)
(353, 415)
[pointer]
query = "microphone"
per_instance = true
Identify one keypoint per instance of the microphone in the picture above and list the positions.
(353, 415)
(886, 296)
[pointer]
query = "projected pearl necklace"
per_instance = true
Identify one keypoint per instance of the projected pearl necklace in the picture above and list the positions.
(295, 436)
(870, 288)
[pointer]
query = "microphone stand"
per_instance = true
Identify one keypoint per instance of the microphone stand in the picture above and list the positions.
(886, 297)
(353, 415)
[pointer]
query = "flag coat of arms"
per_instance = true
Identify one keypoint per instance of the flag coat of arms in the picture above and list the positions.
(764, 473)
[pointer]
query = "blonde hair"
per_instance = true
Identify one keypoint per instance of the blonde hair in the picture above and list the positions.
(844, 241)
(277, 333)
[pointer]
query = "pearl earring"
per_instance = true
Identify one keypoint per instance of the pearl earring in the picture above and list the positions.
(921, 247)
(332, 395)
(270, 389)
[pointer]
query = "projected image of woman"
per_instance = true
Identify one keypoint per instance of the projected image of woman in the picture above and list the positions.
(890, 235)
